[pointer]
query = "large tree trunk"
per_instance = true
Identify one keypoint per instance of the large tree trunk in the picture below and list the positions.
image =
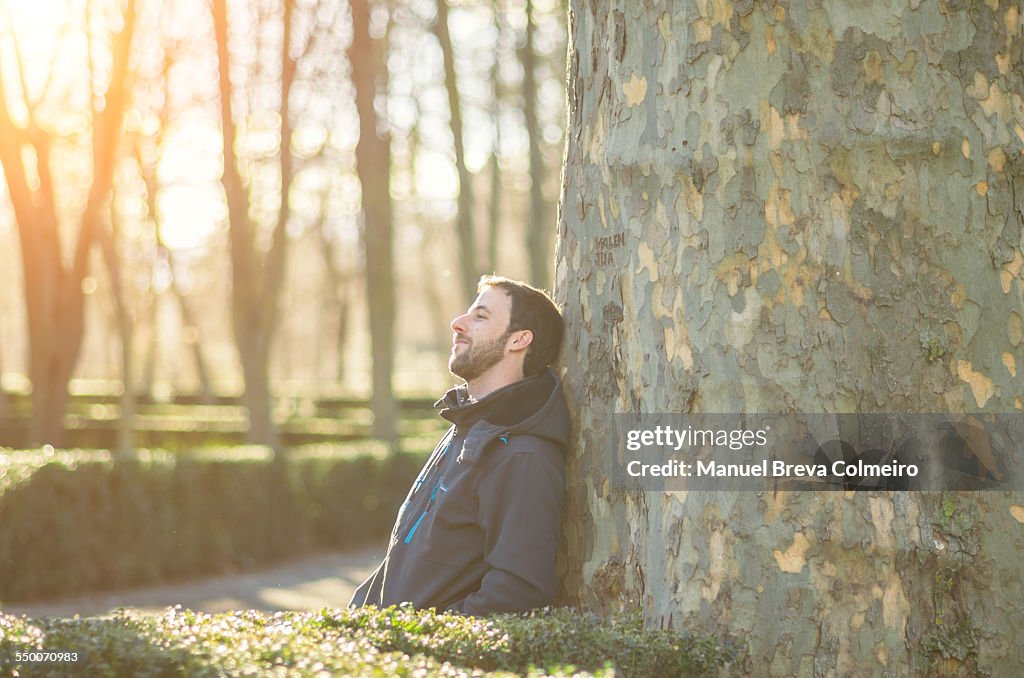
(373, 164)
(770, 208)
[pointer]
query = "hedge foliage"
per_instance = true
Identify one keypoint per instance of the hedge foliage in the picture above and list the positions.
(79, 521)
(363, 642)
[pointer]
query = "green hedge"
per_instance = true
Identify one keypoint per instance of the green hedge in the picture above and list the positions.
(77, 521)
(391, 642)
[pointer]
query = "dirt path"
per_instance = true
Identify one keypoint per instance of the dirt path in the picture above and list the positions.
(311, 583)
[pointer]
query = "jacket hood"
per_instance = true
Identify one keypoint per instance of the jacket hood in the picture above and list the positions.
(532, 406)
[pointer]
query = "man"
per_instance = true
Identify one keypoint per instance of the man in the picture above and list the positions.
(479, 529)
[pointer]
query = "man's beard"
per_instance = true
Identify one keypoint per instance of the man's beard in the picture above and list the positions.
(477, 358)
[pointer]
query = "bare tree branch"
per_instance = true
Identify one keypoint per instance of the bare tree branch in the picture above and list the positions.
(31, 104)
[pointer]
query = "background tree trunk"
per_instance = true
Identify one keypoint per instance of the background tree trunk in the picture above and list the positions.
(3, 391)
(494, 203)
(148, 173)
(54, 297)
(151, 355)
(464, 215)
(125, 444)
(257, 274)
(373, 164)
(774, 208)
(193, 338)
(338, 283)
(538, 229)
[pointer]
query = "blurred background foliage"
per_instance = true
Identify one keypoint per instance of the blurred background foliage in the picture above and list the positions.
(79, 521)
(251, 220)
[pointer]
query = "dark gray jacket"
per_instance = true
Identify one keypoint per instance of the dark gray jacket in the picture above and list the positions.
(479, 529)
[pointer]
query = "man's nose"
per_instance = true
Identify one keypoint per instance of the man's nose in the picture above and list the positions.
(459, 323)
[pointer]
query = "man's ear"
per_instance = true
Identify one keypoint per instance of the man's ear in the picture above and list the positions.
(520, 340)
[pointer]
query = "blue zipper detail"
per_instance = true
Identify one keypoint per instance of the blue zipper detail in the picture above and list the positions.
(433, 497)
(439, 485)
(434, 462)
(415, 525)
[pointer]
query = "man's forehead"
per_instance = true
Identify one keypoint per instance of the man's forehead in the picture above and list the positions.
(492, 299)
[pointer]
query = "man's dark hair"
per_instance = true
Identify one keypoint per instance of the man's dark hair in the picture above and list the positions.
(531, 309)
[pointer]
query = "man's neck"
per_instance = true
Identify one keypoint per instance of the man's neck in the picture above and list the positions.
(491, 381)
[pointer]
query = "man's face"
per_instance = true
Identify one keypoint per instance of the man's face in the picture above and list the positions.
(480, 335)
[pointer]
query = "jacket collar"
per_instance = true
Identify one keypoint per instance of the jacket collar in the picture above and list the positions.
(534, 404)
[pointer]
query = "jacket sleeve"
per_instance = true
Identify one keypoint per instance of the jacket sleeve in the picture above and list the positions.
(520, 513)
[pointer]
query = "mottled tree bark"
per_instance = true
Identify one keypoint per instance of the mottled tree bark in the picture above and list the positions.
(373, 164)
(776, 207)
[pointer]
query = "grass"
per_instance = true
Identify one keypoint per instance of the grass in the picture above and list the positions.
(365, 642)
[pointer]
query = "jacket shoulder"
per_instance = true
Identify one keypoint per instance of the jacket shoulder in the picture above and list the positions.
(525, 444)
